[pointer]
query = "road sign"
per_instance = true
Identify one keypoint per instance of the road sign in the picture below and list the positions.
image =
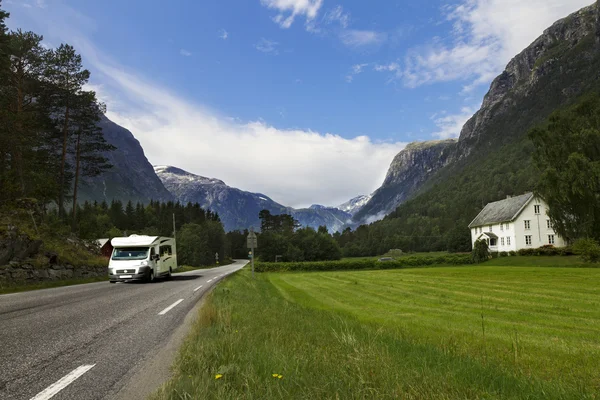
(252, 241)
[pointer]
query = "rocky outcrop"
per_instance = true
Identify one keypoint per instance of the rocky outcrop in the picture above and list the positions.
(354, 205)
(132, 176)
(552, 72)
(524, 71)
(17, 247)
(16, 273)
(408, 171)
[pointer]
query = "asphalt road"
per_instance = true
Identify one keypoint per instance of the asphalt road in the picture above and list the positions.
(89, 341)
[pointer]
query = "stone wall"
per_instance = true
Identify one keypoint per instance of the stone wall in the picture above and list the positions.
(16, 273)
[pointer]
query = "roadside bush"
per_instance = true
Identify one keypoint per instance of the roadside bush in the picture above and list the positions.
(512, 253)
(547, 250)
(480, 252)
(362, 264)
(588, 249)
(503, 254)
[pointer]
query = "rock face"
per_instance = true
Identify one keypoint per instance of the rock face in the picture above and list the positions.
(408, 171)
(525, 70)
(132, 176)
(16, 273)
(552, 72)
(239, 209)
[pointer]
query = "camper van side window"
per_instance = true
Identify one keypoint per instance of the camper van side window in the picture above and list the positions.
(165, 250)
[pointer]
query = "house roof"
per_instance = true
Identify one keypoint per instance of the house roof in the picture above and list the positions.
(102, 242)
(501, 211)
(489, 234)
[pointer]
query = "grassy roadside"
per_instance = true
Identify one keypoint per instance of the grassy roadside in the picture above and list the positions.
(5, 289)
(251, 332)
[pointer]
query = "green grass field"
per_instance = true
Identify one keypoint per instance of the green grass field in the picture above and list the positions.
(494, 331)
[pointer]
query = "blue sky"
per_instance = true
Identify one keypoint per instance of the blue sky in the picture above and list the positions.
(306, 101)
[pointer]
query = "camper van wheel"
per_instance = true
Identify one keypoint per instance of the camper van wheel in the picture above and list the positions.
(151, 276)
(170, 274)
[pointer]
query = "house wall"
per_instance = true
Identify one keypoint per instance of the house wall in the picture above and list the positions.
(504, 230)
(538, 229)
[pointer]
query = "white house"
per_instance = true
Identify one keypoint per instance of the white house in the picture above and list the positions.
(515, 223)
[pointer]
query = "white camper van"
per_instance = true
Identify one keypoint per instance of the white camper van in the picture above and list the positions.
(145, 258)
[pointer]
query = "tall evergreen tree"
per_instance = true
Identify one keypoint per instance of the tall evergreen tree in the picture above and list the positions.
(67, 76)
(89, 141)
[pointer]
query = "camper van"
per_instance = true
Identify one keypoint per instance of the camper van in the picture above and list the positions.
(137, 258)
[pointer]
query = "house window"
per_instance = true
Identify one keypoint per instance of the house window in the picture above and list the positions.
(528, 240)
(536, 208)
(501, 227)
(502, 241)
(508, 240)
(527, 224)
(550, 239)
(549, 224)
(490, 228)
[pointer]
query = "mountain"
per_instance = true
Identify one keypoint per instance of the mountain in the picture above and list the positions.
(239, 209)
(493, 155)
(410, 168)
(352, 206)
(132, 176)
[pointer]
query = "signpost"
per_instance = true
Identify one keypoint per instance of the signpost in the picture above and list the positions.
(252, 243)
(217, 258)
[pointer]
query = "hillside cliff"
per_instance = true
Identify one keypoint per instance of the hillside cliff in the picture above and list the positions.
(132, 176)
(493, 151)
(409, 170)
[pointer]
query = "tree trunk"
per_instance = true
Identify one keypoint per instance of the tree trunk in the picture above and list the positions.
(77, 158)
(18, 155)
(61, 193)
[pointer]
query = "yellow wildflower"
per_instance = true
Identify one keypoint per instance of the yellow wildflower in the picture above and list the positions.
(275, 375)
(280, 376)
(218, 376)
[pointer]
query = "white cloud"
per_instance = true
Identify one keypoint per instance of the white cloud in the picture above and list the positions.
(223, 34)
(361, 38)
(185, 53)
(290, 9)
(449, 126)
(267, 46)
(391, 67)
(295, 167)
(355, 70)
(486, 35)
(338, 15)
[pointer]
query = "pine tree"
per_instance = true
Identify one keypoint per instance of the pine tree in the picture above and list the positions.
(89, 141)
(67, 77)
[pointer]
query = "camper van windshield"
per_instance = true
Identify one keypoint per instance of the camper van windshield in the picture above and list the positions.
(130, 253)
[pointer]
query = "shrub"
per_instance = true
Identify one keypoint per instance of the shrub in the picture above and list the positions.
(363, 264)
(480, 252)
(588, 249)
(503, 254)
(547, 250)
(512, 253)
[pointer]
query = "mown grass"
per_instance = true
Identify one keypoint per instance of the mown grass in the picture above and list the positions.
(15, 288)
(436, 333)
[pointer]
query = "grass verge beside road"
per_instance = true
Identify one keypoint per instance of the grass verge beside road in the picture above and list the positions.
(452, 332)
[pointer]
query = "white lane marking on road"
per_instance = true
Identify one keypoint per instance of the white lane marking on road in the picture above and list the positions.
(209, 281)
(198, 288)
(166, 310)
(62, 383)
